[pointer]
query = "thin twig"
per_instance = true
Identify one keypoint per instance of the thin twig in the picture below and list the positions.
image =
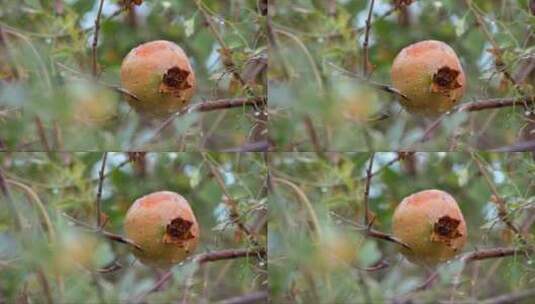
(390, 163)
(366, 81)
(367, 231)
(387, 237)
(367, 192)
(259, 146)
(522, 146)
(386, 14)
(366, 39)
(99, 191)
(46, 285)
(110, 86)
(303, 199)
(253, 297)
(34, 199)
(10, 204)
(511, 298)
(314, 136)
(102, 232)
(95, 37)
(42, 136)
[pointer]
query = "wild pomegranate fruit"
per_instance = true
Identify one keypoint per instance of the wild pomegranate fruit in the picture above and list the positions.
(432, 224)
(159, 74)
(164, 226)
(430, 75)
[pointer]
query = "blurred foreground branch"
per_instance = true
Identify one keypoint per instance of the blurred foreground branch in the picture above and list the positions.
(254, 297)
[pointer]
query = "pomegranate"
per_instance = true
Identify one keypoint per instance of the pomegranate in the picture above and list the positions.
(159, 74)
(432, 225)
(164, 226)
(430, 75)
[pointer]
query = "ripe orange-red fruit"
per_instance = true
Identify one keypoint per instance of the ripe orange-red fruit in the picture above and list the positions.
(164, 226)
(432, 225)
(430, 75)
(159, 74)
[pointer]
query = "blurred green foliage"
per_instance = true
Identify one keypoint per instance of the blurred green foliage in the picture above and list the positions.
(46, 50)
(78, 266)
(317, 254)
(314, 44)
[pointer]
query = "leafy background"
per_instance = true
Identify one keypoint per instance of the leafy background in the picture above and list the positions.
(96, 270)
(312, 41)
(45, 64)
(317, 254)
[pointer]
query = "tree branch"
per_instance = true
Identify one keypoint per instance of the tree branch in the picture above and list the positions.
(208, 106)
(95, 37)
(228, 254)
(499, 252)
(99, 191)
(495, 103)
(367, 192)
(480, 105)
(366, 39)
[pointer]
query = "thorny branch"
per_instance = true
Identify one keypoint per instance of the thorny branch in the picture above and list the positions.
(498, 200)
(231, 203)
(496, 50)
(225, 52)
